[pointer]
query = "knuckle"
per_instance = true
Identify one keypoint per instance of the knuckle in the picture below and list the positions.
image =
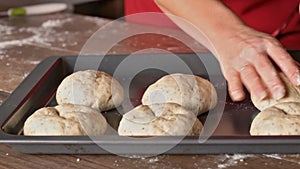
(269, 40)
(247, 72)
(258, 88)
(234, 84)
(234, 88)
(262, 62)
(294, 73)
(255, 79)
(284, 57)
(272, 79)
(272, 42)
(273, 84)
(248, 52)
(254, 83)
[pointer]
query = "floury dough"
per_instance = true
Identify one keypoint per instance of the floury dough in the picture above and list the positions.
(280, 119)
(65, 119)
(192, 92)
(292, 95)
(92, 88)
(166, 119)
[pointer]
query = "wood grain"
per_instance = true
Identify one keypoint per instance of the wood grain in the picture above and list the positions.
(18, 58)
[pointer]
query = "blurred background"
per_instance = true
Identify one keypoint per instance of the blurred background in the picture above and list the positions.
(103, 8)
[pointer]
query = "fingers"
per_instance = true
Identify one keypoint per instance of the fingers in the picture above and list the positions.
(253, 82)
(269, 76)
(285, 62)
(264, 70)
(235, 86)
(253, 67)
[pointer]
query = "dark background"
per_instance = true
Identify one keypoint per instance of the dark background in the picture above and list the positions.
(105, 8)
(112, 9)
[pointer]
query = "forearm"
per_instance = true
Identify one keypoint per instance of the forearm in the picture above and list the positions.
(210, 17)
(246, 56)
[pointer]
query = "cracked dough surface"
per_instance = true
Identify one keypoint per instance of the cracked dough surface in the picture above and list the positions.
(192, 92)
(65, 119)
(168, 119)
(91, 88)
(280, 119)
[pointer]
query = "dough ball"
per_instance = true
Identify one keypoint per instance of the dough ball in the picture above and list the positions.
(91, 88)
(280, 119)
(292, 95)
(65, 119)
(192, 92)
(168, 119)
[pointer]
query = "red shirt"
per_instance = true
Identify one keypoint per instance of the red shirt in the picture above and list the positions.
(264, 15)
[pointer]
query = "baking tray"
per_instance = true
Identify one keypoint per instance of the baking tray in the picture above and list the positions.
(226, 126)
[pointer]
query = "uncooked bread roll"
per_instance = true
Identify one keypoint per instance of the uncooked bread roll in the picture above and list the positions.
(280, 119)
(91, 88)
(192, 92)
(159, 119)
(65, 119)
(292, 95)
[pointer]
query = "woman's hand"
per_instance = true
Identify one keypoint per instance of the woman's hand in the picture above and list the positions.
(248, 57)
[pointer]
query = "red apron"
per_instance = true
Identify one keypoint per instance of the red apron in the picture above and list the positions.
(277, 17)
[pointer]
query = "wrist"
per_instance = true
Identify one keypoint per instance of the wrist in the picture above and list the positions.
(225, 37)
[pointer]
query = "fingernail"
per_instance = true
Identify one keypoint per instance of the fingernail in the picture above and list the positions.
(279, 94)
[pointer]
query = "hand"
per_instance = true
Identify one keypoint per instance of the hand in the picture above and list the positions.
(247, 56)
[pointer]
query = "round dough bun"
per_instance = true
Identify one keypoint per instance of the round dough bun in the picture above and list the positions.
(292, 95)
(168, 119)
(192, 92)
(91, 88)
(66, 119)
(280, 119)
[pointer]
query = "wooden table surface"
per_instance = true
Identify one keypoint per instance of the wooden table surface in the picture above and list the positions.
(25, 41)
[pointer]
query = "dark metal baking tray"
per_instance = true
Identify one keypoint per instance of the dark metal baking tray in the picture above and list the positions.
(226, 126)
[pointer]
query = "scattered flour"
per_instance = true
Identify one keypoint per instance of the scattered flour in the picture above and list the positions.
(25, 75)
(153, 160)
(32, 62)
(116, 163)
(55, 23)
(2, 56)
(276, 156)
(232, 160)
(99, 22)
(6, 30)
(41, 35)
(137, 160)
(136, 156)
(293, 155)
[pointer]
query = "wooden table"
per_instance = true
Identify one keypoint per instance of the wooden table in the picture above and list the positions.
(25, 41)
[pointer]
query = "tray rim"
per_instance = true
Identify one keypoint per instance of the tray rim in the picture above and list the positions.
(45, 66)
